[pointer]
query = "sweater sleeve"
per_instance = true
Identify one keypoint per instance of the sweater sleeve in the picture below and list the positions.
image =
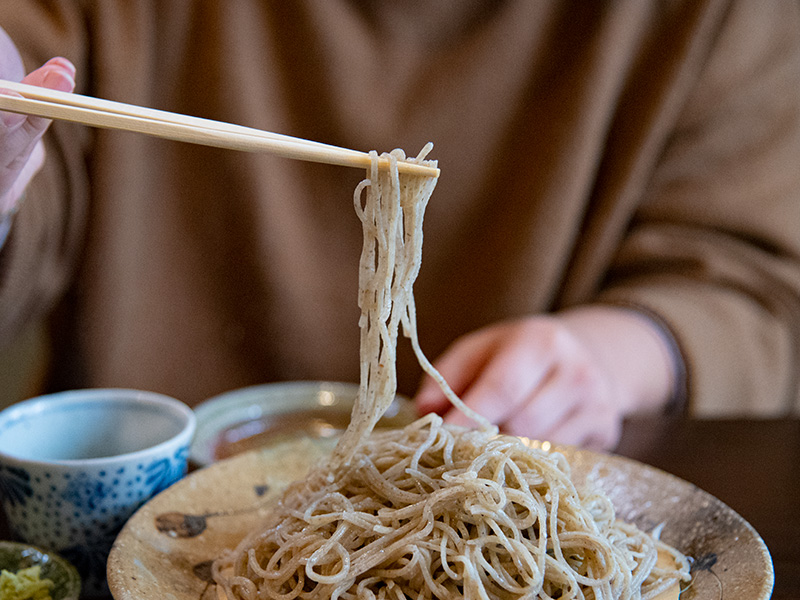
(43, 242)
(714, 249)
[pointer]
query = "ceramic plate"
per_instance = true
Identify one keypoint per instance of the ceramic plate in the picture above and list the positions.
(166, 548)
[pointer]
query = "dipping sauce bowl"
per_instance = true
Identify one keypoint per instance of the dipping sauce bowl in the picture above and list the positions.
(74, 466)
(262, 415)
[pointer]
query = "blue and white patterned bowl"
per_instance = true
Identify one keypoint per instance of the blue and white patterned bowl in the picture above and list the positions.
(74, 466)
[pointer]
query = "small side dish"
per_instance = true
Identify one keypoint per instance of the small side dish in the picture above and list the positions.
(31, 573)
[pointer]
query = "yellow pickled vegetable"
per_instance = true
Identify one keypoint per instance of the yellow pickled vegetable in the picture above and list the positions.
(25, 584)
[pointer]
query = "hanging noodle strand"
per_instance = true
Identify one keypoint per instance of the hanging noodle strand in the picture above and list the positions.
(433, 510)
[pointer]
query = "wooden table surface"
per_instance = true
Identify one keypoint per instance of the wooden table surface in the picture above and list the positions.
(752, 466)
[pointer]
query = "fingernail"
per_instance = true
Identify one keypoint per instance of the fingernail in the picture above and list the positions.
(59, 80)
(64, 63)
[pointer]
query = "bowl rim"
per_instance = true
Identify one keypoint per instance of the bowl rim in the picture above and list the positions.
(91, 396)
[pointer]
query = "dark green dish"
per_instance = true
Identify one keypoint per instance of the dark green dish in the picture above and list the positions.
(67, 583)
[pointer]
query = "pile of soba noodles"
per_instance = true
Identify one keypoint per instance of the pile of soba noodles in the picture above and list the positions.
(432, 510)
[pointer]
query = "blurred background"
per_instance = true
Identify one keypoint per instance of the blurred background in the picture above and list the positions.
(23, 366)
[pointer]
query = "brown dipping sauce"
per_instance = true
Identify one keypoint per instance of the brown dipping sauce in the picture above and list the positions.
(276, 428)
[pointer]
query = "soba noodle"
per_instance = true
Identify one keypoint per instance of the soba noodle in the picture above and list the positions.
(433, 510)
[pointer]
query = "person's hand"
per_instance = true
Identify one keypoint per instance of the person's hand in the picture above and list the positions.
(21, 147)
(568, 378)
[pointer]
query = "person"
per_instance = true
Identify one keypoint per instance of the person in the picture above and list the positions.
(615, 230)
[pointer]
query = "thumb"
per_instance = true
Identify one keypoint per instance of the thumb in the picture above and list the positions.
(56, 74)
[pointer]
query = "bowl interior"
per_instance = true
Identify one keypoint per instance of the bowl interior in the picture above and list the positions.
(66, 581)
(78, 426)
(262, 415)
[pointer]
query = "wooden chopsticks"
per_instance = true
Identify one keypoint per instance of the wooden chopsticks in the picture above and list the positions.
(43, 102)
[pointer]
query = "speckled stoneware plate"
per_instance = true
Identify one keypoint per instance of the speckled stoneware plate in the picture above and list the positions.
(166, 548)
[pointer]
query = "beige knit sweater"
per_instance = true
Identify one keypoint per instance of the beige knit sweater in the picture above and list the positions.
(644, 153)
